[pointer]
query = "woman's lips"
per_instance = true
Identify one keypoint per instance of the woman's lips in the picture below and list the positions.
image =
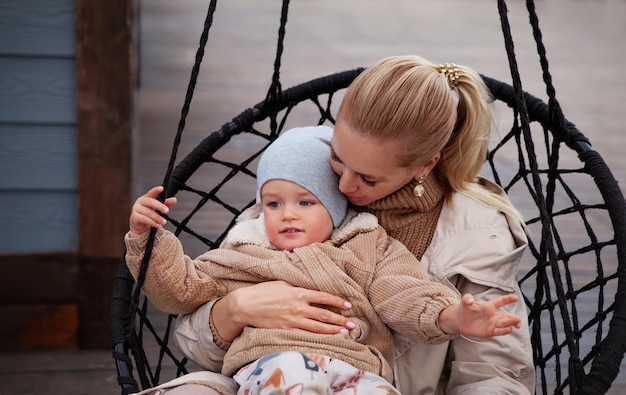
(354, 199)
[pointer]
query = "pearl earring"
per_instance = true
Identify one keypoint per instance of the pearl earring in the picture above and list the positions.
(419, 189)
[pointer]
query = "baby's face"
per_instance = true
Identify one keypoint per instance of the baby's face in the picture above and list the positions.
(294, 217)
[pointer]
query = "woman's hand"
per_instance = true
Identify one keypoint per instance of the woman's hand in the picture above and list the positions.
(279, 305)
(144, 213)
(479, 319)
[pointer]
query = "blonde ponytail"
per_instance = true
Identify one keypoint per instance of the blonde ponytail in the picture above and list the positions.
(463, 156)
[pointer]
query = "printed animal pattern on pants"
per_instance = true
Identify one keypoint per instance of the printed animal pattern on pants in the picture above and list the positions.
(294, 373)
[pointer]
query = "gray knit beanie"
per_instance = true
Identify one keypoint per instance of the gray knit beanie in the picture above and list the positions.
(302, 156)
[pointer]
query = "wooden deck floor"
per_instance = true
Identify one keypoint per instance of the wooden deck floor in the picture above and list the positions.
(323, 37)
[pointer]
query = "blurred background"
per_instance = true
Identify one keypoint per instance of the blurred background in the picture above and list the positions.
(91, 95)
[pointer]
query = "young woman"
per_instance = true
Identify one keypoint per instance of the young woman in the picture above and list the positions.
(409, 142)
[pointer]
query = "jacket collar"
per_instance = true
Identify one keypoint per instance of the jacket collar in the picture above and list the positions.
(249, 230)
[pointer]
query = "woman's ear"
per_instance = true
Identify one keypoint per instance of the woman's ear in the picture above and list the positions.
(429, 166)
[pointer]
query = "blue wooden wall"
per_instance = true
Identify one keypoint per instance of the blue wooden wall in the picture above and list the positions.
(38, 141)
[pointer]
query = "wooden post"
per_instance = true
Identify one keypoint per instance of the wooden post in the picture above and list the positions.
(104, 81)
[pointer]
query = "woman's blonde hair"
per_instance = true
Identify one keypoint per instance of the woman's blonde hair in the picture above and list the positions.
(410, 99)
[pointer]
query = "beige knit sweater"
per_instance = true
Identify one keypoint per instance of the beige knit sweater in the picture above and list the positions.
(377, 274)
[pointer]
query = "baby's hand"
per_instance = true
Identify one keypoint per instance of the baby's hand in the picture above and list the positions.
(479, 319)
(485, 319)
(144, 213)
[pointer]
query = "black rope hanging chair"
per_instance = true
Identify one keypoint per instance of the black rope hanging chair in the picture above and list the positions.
(575, 291)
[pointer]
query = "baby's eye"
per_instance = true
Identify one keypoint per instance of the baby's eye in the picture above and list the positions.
(273, 204)
(307, 203)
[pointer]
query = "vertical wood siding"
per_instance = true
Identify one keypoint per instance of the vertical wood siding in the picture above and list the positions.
(38, 140)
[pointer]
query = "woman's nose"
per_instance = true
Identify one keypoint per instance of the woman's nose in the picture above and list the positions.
(347, 182)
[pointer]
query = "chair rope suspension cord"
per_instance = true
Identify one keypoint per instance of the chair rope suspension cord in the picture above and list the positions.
(597, 380)
(548, 253)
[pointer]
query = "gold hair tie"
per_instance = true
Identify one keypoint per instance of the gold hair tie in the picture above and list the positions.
(451, 71)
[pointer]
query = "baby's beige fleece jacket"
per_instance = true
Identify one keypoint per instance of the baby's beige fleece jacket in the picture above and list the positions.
(361, 263)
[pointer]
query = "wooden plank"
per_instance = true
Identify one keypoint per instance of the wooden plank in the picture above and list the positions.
(105, 90)
(56, 279)
(28, 327)
(95, 283)
(58, 372)
(47, 300)
(37, 90)
(38, 158)
(37, 27)
(35, 222)
(104, 104)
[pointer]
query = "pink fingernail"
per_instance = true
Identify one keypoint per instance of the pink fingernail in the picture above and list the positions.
(343, 331)
(347, 305)
(350, 325)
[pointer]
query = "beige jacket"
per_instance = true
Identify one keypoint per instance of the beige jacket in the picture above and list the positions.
(381, 278)
(475, 249)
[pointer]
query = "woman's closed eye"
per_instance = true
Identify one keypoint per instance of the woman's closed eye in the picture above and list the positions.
(368, 182)
(334, 157)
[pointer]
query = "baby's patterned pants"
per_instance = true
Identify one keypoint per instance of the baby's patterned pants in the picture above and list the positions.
(294, 373)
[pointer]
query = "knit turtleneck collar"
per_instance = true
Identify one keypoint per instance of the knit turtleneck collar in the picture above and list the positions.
(408, 218)
(403, 203)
